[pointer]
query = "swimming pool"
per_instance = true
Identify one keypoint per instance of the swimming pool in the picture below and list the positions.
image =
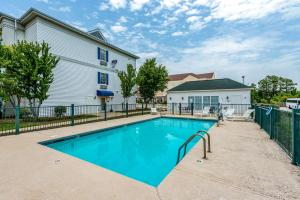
(145, 151)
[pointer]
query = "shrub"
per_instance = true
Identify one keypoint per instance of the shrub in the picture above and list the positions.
(24, 113)
(60, 111)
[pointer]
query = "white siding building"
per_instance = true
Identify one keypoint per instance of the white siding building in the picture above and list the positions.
(87, 71)
(210, 93)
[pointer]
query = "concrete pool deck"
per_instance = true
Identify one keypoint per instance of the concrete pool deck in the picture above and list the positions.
(244, 164)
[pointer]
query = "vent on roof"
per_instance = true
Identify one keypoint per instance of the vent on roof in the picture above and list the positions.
(98, 34)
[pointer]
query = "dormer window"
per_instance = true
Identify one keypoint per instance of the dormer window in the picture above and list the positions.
(98, 34)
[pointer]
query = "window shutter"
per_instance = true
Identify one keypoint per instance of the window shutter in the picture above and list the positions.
(106, 56)
(98, 52)
(107, 79)
(99, 77)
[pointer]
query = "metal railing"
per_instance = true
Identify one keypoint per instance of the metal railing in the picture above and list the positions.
(184, 145)
(18, 120)
(25, 119)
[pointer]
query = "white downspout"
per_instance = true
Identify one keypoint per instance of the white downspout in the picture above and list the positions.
(15, 32)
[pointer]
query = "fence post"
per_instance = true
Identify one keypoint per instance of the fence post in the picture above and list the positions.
(179, 108)
(72, 115)
(192, 108)
(271, 124)
(126, 109)
(17, 120)
(142, 108)
(295, 137)
(105, 113)
(172, 108)
(260, 117)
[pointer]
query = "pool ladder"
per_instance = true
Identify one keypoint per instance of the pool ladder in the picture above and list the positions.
(184, 145)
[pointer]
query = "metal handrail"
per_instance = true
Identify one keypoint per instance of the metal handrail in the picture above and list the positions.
(208, 139)
(187, 142)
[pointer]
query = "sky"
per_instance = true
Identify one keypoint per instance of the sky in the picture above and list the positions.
(232, 38)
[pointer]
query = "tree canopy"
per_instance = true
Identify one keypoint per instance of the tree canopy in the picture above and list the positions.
(274, 89)
(151, 79)
(27, 72)
(128, 81)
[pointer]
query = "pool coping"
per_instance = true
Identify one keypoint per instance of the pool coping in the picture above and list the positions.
(77, 135)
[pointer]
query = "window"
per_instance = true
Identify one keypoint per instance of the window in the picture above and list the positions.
(102, 78)
(198, 103)
(102, 54)
(206, 101)
(214, 100)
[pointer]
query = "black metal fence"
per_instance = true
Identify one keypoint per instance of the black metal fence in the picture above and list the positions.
(25, 119)
(283, 127)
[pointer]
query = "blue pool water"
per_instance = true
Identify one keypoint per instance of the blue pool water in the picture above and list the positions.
(145, 151)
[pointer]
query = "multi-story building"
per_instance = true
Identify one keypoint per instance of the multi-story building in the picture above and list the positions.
(87, 71)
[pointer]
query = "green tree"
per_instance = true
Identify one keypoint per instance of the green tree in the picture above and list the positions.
(128, 81)
(10, 80)
(151, 79)
(28, 73)
(274, 89)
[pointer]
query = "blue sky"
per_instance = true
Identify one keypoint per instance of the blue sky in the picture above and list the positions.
(229, 37)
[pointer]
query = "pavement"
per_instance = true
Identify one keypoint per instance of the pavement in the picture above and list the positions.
(244, 164)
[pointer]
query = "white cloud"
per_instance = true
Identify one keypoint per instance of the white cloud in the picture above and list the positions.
(122, 19)
(142, 25)
(103, 7)
(245, 9)
(61, 9)
(118, 28)
(179, 33)
(231, 46)
(160, 32)
(148, 54)
(169, 3)
(192, 12)
(64, 9)
(44, 1)
(117, 4)
(195, 23)
(138, 4)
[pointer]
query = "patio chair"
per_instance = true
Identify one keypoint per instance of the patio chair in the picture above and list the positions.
(229, 112)
(154, 111)
(245, 117)
(205, 111)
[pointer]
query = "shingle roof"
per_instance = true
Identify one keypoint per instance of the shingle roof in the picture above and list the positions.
(178, 77)
(214, 84)
(32, 13)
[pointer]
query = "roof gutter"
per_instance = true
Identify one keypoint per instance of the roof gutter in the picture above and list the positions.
(32, 13)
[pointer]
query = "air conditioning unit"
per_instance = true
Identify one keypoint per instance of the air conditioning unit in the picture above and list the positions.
(103, 87)
(102, 62)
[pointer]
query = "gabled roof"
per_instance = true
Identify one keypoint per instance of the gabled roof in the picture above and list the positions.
(214, 84)
(32, 13)
(178, 77)
(98, 34)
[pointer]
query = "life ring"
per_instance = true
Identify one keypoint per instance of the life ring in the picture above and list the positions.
(269, 111)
